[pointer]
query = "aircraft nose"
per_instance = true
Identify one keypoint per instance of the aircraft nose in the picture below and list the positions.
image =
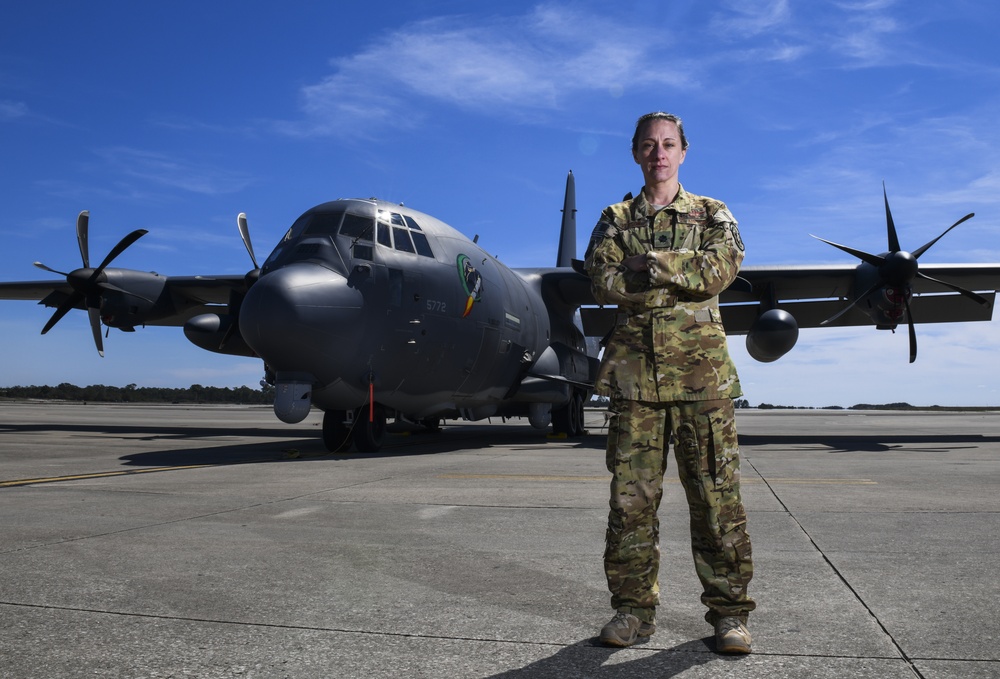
(293, 315)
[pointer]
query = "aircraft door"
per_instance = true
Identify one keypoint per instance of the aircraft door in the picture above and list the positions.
(405, 313)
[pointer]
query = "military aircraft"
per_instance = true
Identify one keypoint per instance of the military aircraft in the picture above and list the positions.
(371, 310)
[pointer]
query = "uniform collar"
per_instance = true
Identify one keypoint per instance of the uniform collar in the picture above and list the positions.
(682, 203)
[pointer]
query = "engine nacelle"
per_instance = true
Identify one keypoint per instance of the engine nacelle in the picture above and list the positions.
(208, 331)
(772, 335)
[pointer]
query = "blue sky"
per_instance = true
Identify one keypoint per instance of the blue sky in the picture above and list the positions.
(175, 117)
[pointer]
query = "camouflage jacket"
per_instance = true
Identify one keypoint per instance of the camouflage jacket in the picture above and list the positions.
(668, 343)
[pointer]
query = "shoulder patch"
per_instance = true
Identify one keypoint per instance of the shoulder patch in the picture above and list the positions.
(601, 231)
(604, 230)
(736, 236)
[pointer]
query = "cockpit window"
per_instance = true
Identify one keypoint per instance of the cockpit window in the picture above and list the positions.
(406, 234)
(402, 238)
(323, 224)
(383, 235)
(296, 229)
(313, 236)
(356, 226)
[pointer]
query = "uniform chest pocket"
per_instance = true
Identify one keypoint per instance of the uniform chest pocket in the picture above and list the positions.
(688, 235)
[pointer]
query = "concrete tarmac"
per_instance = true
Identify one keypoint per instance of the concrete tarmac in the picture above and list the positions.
(180, 541)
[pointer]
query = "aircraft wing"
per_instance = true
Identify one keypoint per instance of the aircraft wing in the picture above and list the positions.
(174, 299)
(836, 281)
(814, 294)
(33, 290)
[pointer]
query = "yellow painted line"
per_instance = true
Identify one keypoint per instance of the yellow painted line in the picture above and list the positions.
(96, 475)
(524, 477)
(831, 482)
(605, 479)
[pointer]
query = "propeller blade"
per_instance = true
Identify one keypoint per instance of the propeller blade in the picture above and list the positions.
(852, 304)
(82, 229)
(64, 308)
(95, 328)
(890, 227)
(50, 269)
(967, 293)
(118, 249)
(874, 260)
(912, 331)
(921, 250)
(241, 222)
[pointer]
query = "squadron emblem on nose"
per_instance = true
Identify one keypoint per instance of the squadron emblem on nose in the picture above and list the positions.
(472, 282)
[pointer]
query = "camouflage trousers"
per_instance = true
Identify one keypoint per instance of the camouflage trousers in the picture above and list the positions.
(707, 453)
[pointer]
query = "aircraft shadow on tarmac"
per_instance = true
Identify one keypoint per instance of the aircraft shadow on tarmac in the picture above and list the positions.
(292, 447)
(870, 443)
(277, 445)
(589, 658)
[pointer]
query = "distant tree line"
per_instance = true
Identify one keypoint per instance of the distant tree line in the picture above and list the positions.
(604, 400)
(130, 393)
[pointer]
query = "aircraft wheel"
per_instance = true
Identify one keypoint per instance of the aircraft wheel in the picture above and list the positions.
(368, 436)
(576, 413)
(337, 436)
(568, 419)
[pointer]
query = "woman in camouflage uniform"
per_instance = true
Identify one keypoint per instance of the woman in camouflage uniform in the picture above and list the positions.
(663, 258)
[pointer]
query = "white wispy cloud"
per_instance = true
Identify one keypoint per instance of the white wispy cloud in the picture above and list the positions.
(530, 66)
(174, 172)
(747, 19)
(515, 66)
(864, 37)
(11, 110)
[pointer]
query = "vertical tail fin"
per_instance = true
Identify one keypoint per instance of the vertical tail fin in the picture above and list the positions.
(567, 235)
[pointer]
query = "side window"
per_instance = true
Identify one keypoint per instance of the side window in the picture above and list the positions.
(423, 247)
(363, 252)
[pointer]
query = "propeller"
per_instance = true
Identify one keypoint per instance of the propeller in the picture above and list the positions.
(897, 269)
(235, 296)
(88, 284)
(241, 223)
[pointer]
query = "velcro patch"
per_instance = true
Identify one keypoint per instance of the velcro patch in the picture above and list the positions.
(736, 237)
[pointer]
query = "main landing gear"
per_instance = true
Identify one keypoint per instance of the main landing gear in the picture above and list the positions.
(365, 427)
(568, 419)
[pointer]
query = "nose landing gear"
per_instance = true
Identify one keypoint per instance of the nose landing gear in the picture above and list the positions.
(365, 427)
